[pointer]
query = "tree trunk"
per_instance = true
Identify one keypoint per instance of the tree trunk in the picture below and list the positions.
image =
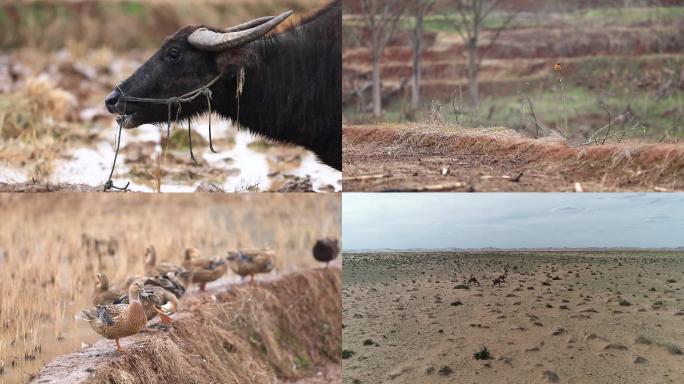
(473, 90)
(417, 56)
(377, 91)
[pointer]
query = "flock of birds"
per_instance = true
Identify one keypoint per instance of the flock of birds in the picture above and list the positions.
(125, 312)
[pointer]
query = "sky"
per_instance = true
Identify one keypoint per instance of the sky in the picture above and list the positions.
(511, 220)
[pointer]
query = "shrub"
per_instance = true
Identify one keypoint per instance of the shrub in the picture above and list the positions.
(673, 349)
(482, 354)
(445, 371)
(347, 353)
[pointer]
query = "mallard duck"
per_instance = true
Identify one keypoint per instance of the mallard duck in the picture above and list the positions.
(152, 268)
(118, 320)
(103, 294)
(326, 250)
(203, 270)
(169, 281)
(155, 300)
(250, 262)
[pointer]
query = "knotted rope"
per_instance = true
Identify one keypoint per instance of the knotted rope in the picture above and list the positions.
(170, 102)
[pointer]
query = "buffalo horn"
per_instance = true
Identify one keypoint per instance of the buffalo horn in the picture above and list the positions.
(237, 36)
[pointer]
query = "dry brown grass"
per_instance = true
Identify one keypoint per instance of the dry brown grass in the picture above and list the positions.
(47, 275)
(33, 123)
(122, 24)
(627, 163)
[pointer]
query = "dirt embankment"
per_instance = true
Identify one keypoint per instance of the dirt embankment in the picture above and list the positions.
(401, 159)
(276, 331)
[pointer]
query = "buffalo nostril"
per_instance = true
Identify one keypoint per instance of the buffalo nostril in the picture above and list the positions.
(111, 100)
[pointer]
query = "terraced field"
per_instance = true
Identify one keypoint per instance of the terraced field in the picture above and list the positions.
(621, 83)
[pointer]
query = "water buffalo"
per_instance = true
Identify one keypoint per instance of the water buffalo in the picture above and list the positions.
(289, 81)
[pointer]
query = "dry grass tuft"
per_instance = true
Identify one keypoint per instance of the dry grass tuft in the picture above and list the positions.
(625, 163)
(35, 110)
(33, 121)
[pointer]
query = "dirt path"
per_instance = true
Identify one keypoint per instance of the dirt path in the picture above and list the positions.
(391, 159)
(257, 333)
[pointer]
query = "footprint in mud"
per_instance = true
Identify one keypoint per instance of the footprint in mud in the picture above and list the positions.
(550, 377)
(398, 372)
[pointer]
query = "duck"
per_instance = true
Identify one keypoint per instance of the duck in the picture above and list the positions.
(104, 294)
(250, 262)
(152, 268)
(169, 281)
(326, 250)
(116, 321)
(203, 270)
(155, 301)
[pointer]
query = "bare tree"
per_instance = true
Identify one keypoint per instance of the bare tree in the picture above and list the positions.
(419, 9)
(470, 16)
(381, 18)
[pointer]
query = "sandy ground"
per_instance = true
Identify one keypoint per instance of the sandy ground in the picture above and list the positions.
(396, 158)
(560, 317)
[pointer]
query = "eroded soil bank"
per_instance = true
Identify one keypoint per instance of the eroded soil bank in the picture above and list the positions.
(288, 329)
(379, 158)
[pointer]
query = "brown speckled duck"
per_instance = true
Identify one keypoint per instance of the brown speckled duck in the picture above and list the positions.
(152, 268)
(104, 294)
(203, 270)
(169, 281)
(326, 250)
(156, 301)
(118, 320)
(250, 262)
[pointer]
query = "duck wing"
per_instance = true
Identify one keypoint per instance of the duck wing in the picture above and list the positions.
(168, 284)
(105, 316)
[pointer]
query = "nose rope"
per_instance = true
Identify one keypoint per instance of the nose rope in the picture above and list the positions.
(170, 102)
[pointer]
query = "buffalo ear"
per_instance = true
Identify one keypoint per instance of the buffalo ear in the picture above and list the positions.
(233, 58)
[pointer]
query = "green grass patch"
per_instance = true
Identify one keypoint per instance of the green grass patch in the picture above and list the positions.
(482, 354)
(133, 8)
(301, 362)
(599, 17)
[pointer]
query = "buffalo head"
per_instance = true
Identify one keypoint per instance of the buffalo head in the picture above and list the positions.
(188, 60)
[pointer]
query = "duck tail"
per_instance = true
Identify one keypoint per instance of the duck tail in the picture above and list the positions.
(171, 305)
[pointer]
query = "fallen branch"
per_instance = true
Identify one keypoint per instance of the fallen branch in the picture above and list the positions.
(367, 177)
(514, 179)
(430, 188)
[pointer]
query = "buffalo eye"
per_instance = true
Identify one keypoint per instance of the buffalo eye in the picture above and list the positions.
(172, 54)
